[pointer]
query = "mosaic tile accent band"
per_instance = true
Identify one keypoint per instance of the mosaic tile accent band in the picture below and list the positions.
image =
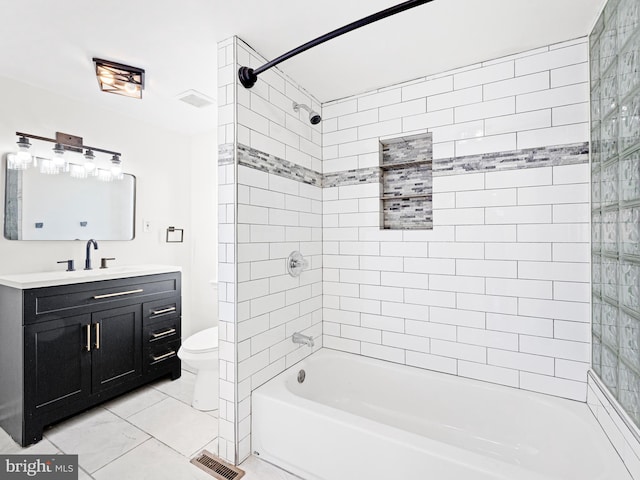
(516, 159)
(569, 154)
(351, 177)
(250, 157)
(225, 154)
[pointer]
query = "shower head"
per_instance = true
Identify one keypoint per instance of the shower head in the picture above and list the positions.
(314, 117)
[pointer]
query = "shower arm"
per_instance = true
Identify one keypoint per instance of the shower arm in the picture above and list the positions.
(248, 76)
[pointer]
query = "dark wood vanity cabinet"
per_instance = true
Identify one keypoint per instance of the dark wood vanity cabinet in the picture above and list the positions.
(66, 348)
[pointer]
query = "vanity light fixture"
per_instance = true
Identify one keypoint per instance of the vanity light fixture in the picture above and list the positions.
(118, 78)
(62, 159)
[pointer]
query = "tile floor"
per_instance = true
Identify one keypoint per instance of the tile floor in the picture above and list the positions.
(150, 433)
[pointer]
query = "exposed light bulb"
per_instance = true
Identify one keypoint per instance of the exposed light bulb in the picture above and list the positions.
(116, 167)
(107, 78)
(23, 156)
(130, 87)
(89, 163)
(58, 156)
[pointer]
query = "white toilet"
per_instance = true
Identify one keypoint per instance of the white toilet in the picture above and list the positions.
(200, 351)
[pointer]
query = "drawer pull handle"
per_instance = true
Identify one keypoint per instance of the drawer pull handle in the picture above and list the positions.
(117, 294)
(162, 357)
(164, 310)
(170, 331)
(88, 345)
(97, 336)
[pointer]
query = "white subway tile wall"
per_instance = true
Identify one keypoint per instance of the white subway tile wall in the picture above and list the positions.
(499, 289)
(226, 246)
(275, 216)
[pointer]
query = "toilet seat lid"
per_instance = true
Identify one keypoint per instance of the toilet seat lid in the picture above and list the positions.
(204, 341)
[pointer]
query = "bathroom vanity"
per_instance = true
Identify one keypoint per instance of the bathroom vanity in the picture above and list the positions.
(71, 340)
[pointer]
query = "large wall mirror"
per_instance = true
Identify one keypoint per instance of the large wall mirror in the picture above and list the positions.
(59, 207)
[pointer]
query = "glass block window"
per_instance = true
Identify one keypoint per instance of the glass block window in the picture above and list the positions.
(615, 193)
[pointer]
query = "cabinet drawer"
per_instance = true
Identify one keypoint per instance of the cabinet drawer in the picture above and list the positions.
(161, 331)
(162, 355)
(52, 301)
(159, 309)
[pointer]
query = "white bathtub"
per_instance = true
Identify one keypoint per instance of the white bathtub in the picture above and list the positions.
(363, 419)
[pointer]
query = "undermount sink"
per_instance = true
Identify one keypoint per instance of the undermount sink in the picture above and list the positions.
(48, 279)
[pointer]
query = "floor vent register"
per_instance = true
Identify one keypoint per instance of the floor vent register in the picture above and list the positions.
(216, 467)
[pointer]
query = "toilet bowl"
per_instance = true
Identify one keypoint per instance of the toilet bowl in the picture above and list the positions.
(200, 351)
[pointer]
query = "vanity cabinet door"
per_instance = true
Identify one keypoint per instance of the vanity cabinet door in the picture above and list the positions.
(57, 363)
(116, 349)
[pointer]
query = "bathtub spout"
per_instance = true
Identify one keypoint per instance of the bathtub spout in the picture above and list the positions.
(297, 337)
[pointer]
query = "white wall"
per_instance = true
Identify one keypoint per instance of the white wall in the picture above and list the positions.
(499, 289)
(160, 159)
(203, 234)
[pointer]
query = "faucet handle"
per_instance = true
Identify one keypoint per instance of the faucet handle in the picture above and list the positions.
(104, 260)
(70, 265)
(296, 263)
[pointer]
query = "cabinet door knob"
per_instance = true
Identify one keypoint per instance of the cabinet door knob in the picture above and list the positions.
(97, 336)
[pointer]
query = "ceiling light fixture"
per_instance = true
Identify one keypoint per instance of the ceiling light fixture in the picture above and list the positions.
(119, 79)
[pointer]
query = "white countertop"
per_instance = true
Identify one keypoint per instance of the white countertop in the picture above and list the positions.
(49, 279)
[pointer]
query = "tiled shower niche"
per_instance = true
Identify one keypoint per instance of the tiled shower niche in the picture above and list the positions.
(407, 186)
(615, 138)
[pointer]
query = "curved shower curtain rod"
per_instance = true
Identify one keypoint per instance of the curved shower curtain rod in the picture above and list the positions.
(248, 76)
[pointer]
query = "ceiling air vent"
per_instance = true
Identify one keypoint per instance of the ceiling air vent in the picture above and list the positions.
(196, 99)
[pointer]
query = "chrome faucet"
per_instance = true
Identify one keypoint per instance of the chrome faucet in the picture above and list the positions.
(87, 260)
(297, 337)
